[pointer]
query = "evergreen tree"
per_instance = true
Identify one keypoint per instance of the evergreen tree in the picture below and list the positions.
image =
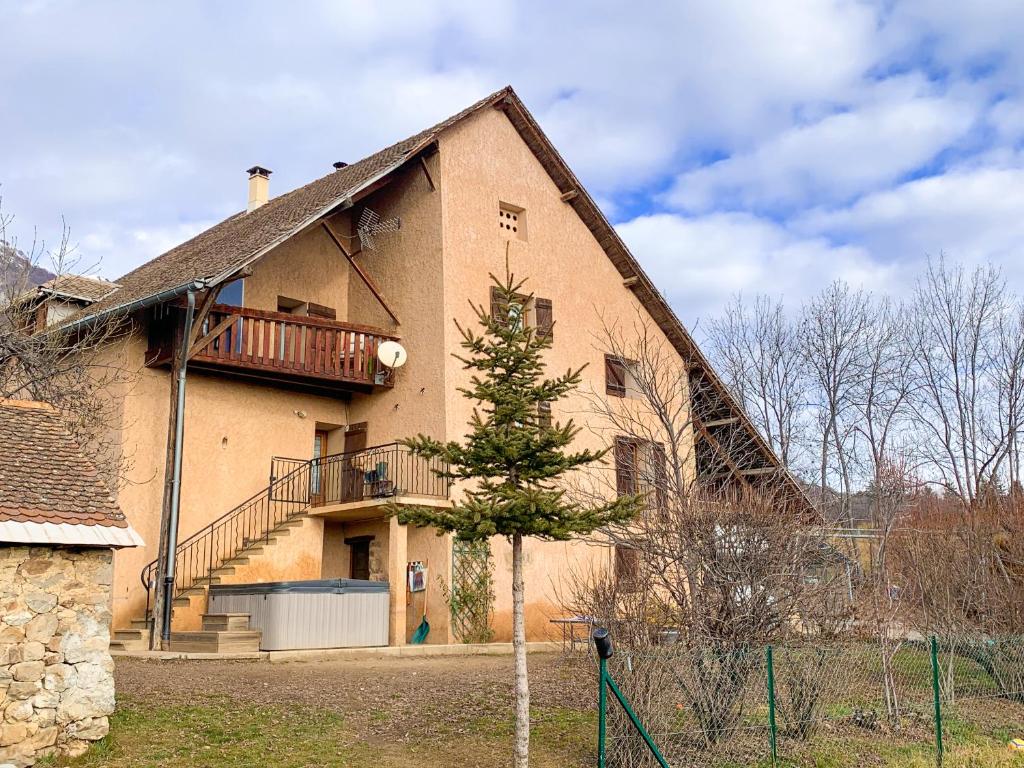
(515, 458)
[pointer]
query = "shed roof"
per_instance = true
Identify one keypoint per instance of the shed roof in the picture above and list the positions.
(50, 492)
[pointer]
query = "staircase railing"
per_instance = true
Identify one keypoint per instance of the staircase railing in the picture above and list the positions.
(250, 522)
(296, 485)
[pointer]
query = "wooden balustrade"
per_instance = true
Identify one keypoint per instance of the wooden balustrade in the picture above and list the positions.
(287, 346)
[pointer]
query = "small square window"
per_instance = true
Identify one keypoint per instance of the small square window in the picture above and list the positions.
(512, 221)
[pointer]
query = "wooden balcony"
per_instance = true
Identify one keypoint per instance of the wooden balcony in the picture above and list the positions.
(275, 347)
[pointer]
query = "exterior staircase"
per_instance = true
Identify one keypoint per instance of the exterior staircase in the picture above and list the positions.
(230, 542)
(220, 633)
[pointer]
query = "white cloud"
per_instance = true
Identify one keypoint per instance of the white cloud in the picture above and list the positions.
(831, 160)
(699, 262)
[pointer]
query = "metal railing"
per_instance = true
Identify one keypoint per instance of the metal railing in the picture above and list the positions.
(375, 473)
(295, 485)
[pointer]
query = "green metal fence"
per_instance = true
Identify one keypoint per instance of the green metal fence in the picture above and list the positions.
(788, 704)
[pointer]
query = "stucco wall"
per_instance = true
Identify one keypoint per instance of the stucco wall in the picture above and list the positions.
(307, 268)
(232, 431)
(56, 674)
(484, 162)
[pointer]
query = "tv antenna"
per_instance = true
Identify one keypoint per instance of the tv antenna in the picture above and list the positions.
(371, 226)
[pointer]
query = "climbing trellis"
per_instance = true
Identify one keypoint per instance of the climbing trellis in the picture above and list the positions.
(471, 594)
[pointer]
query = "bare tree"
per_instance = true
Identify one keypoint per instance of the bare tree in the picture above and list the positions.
(961, 406)
(833, 330)
(78, 371)
(757, 350)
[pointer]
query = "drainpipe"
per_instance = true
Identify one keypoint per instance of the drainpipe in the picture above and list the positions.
(179, 435)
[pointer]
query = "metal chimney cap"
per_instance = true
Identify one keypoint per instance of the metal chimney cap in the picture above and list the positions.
(259, 170)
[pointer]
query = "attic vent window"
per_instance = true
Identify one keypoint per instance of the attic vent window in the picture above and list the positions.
(512, 221)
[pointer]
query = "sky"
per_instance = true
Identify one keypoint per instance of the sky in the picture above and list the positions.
(736, 146)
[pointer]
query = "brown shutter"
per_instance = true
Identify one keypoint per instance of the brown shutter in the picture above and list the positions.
(545, 318)
(499, 309)
(627, 562)
(614, 376)
(660, 476)
(625, 466)
(544, 415)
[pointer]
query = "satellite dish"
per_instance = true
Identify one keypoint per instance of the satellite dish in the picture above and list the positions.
(392, 354)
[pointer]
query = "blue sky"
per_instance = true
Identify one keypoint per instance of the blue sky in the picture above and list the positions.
(737, 146)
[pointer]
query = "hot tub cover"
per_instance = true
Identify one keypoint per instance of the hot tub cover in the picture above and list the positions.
(317, 586)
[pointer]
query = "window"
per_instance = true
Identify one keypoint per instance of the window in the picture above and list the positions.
(232, 293)
(525, 311)
(641, 467)
(615, 371)
(512, 221)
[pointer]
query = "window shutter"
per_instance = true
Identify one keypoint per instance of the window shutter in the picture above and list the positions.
(627, 561)
(625, 467)
(499, 309)
(660, 476)
(614, 376)
(545, 318)
(544, 415)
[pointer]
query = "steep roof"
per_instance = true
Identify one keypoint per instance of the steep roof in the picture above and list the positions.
(239, 240)
(235, 242)
(49, 491)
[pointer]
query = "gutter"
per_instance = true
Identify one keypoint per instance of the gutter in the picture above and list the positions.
(171, 552)
(157, 298)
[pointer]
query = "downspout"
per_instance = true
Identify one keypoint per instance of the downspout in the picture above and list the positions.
(179, 436)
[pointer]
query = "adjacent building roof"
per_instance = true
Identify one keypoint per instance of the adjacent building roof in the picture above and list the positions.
(50, 492)
(78, 288)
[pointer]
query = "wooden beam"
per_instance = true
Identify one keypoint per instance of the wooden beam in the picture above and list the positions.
(759, 471)
(202, 310)
(217, 330)
(717, 447)
(722, 422)
(629, 282)
(426, 172)
(572, 194)
(369, 281)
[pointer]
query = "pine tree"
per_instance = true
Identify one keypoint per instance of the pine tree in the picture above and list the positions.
(515, 457)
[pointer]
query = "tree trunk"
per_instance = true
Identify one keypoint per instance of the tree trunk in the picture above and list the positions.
(522, 736)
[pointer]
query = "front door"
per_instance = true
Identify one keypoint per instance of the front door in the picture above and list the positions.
(316, 472)
(359, 557)
(352, 463)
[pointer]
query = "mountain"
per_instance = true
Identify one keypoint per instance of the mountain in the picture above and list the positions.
(17, 272)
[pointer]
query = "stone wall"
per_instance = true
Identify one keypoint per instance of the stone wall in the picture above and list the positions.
(56, 674)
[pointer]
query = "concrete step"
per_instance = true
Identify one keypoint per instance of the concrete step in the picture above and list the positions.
(224, 570)
(141, 623)
(230, 641)
(225, 622)
(237, 561)
(207, 580)
(280, 533)
(130, 640)
(183, 601)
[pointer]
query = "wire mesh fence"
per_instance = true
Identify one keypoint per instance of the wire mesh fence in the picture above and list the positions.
(791, 703)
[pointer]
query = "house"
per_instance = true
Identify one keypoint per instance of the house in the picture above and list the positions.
(261, 340)
(59, 526)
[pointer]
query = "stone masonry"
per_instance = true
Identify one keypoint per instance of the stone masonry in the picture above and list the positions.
(56, 674)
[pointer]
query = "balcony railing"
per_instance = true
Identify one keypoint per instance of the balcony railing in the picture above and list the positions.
(381, 472)
(290, 347)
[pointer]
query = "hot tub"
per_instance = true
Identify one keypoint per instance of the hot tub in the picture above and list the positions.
(329, 613)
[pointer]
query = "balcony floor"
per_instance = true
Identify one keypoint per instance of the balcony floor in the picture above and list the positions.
(373, 508)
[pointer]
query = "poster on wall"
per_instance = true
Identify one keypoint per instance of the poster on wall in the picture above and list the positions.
(417, 576)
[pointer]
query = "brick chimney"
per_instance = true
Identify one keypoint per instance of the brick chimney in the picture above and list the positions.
(259, 187)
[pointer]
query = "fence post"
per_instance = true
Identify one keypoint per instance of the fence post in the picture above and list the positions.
(602, 700)
(772, 728)
(937, 699)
